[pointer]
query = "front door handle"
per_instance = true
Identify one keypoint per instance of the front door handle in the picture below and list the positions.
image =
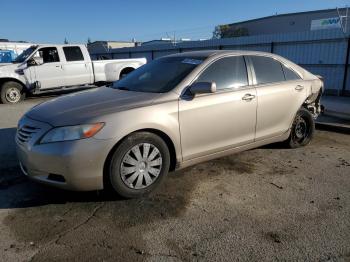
(248, 97)
(299, 87)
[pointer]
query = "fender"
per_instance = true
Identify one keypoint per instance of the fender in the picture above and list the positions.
(162, 117)
(14, 72)
(113, 69)
(18, 80)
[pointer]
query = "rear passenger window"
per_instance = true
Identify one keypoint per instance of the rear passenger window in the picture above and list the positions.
(228, 72)
(290, 74)
(73, 53)
(267, 70)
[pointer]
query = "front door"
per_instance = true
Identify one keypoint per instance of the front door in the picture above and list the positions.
(210, 123)
(49, 72)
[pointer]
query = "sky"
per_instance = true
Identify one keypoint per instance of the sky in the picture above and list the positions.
(49, 21)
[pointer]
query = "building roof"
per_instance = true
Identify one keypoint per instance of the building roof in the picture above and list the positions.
(112, 41)
(288, 14)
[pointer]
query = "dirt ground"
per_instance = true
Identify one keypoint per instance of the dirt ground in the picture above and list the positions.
(267, 204)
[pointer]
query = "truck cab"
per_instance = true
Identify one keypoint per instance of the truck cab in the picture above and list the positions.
(45, 68)
(52, 67)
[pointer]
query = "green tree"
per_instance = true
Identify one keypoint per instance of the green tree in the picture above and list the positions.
(227, 31)
(65, 41)
(89, 41)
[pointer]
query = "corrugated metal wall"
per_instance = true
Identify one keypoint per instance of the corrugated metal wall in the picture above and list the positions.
(322, 52)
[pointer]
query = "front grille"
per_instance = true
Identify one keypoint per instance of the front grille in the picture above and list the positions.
(26, 132)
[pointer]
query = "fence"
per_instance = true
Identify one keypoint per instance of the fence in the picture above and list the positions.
(322, 52)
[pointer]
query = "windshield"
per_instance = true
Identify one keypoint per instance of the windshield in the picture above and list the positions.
(25, 54)
(159, 76)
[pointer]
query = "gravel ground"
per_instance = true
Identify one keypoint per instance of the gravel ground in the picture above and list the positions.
(267, 204)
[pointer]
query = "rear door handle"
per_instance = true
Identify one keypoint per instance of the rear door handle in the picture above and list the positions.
(248, 97)
(299, 87)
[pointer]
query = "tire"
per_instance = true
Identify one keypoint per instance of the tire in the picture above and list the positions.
(303, 129)
(12, 93)
(133, 175)
(125, 72)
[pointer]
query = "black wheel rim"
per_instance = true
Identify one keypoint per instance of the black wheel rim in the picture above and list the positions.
(301, 129)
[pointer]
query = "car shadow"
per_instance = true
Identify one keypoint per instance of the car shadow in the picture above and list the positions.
(277, 145)
(17, 191)
(8, 156)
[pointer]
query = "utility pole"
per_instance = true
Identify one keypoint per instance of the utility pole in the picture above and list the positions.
(344, 24)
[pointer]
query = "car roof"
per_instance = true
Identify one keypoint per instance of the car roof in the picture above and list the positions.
(210, 53)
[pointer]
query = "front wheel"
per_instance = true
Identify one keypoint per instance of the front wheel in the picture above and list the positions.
(302, 130)
(11, 93)
(139, 165)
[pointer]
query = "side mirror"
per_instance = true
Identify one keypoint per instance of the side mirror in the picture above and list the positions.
(38, 60)
(203, 88)
(31, 62)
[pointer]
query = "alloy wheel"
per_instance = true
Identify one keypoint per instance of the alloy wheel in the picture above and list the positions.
(141, 166)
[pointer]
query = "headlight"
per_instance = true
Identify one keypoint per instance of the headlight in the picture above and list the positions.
(67, 133)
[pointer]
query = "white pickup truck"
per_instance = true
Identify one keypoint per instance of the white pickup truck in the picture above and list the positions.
(45, 68)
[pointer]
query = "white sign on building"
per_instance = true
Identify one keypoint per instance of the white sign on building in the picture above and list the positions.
(326, 23)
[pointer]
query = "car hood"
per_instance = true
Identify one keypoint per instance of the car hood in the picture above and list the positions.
(84, 107)
(7, 69)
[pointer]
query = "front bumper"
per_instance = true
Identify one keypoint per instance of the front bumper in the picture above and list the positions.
(74, 165)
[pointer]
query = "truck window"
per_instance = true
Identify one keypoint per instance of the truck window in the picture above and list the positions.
(73, 53)
(49, 54)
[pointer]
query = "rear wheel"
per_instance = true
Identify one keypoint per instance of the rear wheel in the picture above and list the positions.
(139, 165)
(11, 93)
(303, 129)
(125, 72)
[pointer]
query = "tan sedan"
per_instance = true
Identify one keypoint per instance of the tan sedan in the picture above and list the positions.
(174, 112)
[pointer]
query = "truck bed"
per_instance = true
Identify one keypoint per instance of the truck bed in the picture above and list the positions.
(109, 70)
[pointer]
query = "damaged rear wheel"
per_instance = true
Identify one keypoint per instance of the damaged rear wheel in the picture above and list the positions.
(302, 129)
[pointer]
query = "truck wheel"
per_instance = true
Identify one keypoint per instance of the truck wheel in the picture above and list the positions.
(139, 165)
(125, 71)
(12, 93)
(302, 130)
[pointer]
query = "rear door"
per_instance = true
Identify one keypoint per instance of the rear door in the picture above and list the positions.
(210, 123)
(280, 93)
(77, 70)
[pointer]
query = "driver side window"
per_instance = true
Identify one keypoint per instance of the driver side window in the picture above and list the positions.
(47, 55)
(227, 73)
